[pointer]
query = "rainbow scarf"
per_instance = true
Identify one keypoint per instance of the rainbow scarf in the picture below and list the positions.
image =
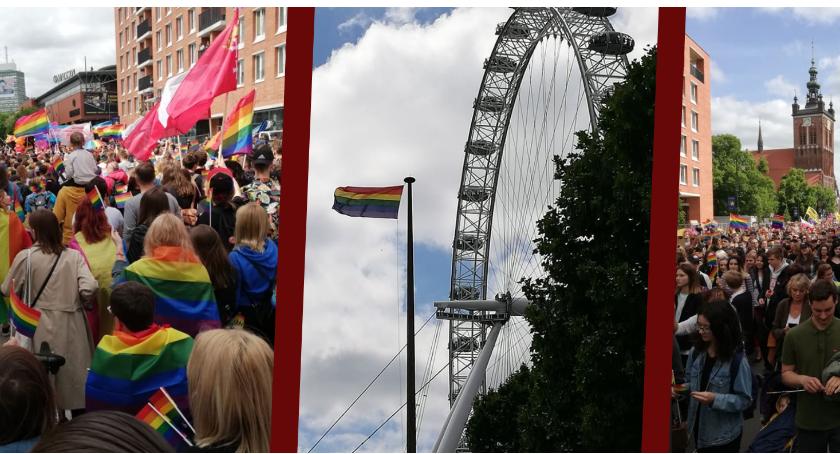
(128, 368)
(368, 202)
(36, 123)
(237, 131)
(13, 239)
(184, 296)
(24, 318)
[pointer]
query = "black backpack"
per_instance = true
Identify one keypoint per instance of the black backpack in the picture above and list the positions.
(734, 365)
(39, 202)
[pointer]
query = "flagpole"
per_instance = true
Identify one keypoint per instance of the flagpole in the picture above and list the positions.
(411, 420)
(169, 423)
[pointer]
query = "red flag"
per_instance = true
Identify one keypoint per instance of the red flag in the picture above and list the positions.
(187, 98)
(145, 135)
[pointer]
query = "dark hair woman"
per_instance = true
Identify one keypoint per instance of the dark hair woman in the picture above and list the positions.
(153, 203)
(760, 274)
(208, 246)
(687, 301)
(718, 398)
(27, 409)
(103, 431)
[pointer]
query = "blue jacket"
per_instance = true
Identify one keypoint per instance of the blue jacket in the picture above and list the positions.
(257, 273)
(722, 421)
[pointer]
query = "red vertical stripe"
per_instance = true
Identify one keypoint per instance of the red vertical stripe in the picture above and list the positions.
(292, 232)
(663, 224)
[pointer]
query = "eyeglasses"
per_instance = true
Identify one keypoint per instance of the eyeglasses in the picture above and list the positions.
(703, 328)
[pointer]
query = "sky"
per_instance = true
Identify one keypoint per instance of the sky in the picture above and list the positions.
(48, 41)
(392, 94)
(759, 58)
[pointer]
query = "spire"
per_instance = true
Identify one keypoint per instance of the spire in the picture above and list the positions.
(760, 140)
(813, 86)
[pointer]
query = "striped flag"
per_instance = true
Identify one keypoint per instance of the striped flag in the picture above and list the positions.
(25, 319)
(121, 195)
(237, 137)
(778, 222)
(29, 125)
(712, 264)
(13, 239)
(164, 426)
(367, 202)
(738, 222)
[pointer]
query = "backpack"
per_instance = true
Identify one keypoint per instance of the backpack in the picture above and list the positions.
(39, 202)
(734, 365)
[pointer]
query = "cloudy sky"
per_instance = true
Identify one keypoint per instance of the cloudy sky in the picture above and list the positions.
(48, 41)
(392, 96)
(759, 58)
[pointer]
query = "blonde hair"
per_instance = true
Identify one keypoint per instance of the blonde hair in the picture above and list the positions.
(167, 230)
(231, 404)
(251, 226)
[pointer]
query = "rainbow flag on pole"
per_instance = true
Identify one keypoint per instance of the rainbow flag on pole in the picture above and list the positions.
(158, 421)
(58, 165)
(29, 125)
(738, 222)
(184, 296)
(712, 265)
(24, 318)
(121, 195)
(111, 131)
(95, 199)
(368, 202)
(128, 368)
(236, 136)
(778, 222)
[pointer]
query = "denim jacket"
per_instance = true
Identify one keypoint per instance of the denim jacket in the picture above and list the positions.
(722, 421)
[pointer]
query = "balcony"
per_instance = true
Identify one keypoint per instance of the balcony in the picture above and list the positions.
(144, 58)
(140, 9)
(697, 73)
(144, 84)
(144, 30)
(210, 20)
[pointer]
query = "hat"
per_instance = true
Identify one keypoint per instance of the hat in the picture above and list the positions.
(221, 181)
(262, 154)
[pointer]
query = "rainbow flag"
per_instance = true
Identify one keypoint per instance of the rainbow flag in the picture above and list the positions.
(778, 222)
(95, 199)
(128, 368)
(368, 202)
(19, 209)
(111, 131)
(237, 131)
(97, 128)
(13, 239)
(32, 124)
(712, 265)
(184, 296)
(738, 222)
(58, 165)
(24, 318)
(162, 425)
(213, 144)
(121, 195)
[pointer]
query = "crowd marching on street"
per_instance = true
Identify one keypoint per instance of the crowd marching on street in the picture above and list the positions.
(139, 297)
(757, 338)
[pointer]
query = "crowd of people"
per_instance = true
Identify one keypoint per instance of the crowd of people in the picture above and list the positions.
(756, 335)
(147, 275)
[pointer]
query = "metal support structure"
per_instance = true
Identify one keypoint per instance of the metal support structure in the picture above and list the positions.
(411, 406)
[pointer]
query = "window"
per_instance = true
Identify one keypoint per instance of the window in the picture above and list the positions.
(180, 55)
(168, 34)
(683, 174)
(168, 11)
(695, 177)
(179, 27)
(241, 30)
(693, 92)
(240, 73)
(802, 136)
(259, 67)
(158, 14)
(682, 146)
(134, 55)
(122, 64)
(131, 30)
(683, 116)
(121, 39)
(695, 150)
(134, 80)
(281, 19)
(159, 40)
(191, 20)
(280, 58)
(191, 51)
(119, 14)
(695, 120)
(259, 24)
(813, 135)
(160, 69)
(169, 65)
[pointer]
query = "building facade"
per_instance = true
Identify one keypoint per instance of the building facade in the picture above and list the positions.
(696, 195)
(813, 140)
(12, 87)
(82, 97)
(154, 44)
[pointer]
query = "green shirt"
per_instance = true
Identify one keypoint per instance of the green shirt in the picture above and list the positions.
(810, 350)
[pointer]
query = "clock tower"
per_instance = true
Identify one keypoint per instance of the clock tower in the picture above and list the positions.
(813, 133)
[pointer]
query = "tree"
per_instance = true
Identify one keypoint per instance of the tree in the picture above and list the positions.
(794, 193)
(735, 173)
(9, 121)
(825, 201)
(587, 314)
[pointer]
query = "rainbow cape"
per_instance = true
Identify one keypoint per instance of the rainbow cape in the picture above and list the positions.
(236, 138)
(778, 222)
(24, 318)
(368, 202)
(738, 222)
(184, 296)
(32, 124)
(13, 239)
(128, 368)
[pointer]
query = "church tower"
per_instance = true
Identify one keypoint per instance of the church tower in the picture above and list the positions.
(813, 133)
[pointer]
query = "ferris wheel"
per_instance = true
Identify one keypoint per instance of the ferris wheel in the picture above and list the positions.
(545, 79)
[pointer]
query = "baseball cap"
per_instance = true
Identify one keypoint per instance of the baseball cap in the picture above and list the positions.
(262, 154)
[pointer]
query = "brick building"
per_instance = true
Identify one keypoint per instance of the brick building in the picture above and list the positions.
(813, 140)
(156, 43)
(696, 197)
(80, 97)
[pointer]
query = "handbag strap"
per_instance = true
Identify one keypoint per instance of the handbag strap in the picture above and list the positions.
(44, 285)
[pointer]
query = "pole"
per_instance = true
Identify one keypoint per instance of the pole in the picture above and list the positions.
(411, 420)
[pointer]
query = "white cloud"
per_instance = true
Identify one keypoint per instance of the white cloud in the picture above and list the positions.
(778, 86)
(400, 15)
(718, 76)
(396, 103)
(701, 14)
(809, 15)
(48, 41)
(360, 20)
(740, 118)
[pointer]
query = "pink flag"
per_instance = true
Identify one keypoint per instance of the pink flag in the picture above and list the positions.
(187, 98)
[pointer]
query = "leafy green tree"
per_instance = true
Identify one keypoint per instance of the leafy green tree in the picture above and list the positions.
(825, 201)
(584, 390)
(9, 122)
(794, 192)
(735, 173)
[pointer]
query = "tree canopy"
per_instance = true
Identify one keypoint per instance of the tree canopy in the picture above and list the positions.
(735, 173)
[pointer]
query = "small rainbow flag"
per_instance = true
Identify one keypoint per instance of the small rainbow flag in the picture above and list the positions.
(237, 131)
(162, 425)
(121, 195)
(711, 263)
(213, 143)
(19, 209)
(368, 202)
(95, 199)
(24, 318)
(58, 165)
(111, 131)
(778, 222)
(738, 222)
(32, 124)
